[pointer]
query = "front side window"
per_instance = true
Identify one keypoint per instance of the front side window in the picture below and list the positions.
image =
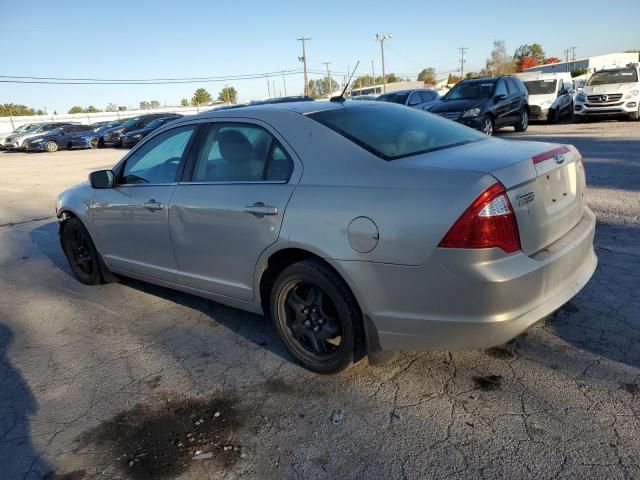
(236, 152)
(501, 88)
(157, 161)
(414, 99)
(427, 96)
(393, 132)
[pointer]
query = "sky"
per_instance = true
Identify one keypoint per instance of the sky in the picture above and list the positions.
(116, 39)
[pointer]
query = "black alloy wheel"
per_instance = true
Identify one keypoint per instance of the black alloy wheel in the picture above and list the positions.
(81, 253)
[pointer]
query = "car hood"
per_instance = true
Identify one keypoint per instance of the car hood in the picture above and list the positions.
(610, 88)
(540, 99)
(25, 136)
(457, 105)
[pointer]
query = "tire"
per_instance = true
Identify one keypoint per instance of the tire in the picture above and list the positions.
(488, 126)
(101, 143)
(81, 253)
(523, 122)
(312, 307)
(553, 116)
(635, 116)
(51, 146)
(94, 142)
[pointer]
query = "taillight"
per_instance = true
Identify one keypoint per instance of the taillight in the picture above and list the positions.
(488, 222)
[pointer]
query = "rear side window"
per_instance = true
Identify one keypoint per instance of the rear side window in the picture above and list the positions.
(392, 132)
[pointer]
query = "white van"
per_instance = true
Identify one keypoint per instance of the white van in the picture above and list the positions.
(550, 95)
(610, 92)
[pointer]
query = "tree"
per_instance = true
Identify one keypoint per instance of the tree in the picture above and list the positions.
(364, 81)
(228, 95)
(201, 97)
(453, 79)
(392, 78)
(578, 71)
(91, 109)
(550, 60)
(469, 75)
(428, 76)
(184, 102)
(155, 104)
(9, 109)
(144, 105)
(534, 50)
(75, 109)
(40, 112)
(499, 63)
(111, 107)
(526, 62)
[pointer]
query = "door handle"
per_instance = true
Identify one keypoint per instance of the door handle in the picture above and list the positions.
(259, 209)
(153, 205)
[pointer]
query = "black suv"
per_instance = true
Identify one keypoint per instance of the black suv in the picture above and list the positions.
(113, 136)
(486, 104)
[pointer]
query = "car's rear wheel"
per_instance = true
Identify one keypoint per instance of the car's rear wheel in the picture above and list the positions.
(317, 317)
(81, 252)
(51, 146)
(553, 115)
(523, 122)
(94, 142)
(487, 126)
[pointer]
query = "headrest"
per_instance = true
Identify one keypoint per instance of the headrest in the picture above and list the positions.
(234, 146)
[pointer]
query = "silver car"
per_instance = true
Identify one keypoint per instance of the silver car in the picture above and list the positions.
(360, 228)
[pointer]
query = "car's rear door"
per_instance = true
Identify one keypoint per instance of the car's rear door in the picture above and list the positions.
(131, 220)
(229, 207)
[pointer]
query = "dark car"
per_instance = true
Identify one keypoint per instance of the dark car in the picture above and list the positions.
(130, 139)
(113, 136)
(486, 104)
(93, 138)
(420, 98)
(55, 139)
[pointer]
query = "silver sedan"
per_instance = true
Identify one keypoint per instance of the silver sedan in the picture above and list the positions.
(360, 228)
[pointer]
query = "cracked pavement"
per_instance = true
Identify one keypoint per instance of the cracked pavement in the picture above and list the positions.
(560, 401)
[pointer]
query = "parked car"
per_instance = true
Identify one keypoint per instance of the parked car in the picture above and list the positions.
(550, 95)
(610, 92)
(131, 138)
(20, 129)
(113, 136)
(16, 141)
(55, 139)
(420, 98)
(364, 97)
(486, 104)
(92, 138)
(406, 231)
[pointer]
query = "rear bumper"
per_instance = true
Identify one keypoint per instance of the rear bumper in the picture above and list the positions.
(466, 299)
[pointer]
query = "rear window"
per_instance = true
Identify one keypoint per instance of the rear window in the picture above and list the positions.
(400, 98)
(541, 87)
(392, 132)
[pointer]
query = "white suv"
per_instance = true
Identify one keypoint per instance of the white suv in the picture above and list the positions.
(610, 92)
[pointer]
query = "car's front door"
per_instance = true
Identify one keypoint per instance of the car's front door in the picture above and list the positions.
(131, 220)
(230, 206)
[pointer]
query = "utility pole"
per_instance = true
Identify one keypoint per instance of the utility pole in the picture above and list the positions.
(573, 56)
(330, 87)
(273, 84)
(462, 50)
(284, 83)
(303, 59)
(268, 86)
(381, 38)
(566, 58)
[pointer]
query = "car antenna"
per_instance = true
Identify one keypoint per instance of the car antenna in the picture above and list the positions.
(340, 98)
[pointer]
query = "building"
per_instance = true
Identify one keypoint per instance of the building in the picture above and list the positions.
(592, 64)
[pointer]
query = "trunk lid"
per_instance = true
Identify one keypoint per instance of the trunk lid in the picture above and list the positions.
(545, 182)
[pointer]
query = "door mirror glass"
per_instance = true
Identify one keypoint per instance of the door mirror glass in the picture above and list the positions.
(101, 179)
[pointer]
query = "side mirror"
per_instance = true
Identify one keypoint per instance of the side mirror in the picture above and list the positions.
(102, 179)
(499, 98)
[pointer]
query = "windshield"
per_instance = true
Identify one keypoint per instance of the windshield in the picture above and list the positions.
(24, 128)
(130, 123)
(400, 98)
(623, 75)
(33, 128)
(471, 89)
(541, 87)
(393, 132)
(157, 122)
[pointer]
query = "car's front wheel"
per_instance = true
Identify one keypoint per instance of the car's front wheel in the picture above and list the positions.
(487, 126)
(635, 115)
(81, 252)
(523, 122)
(94, 142)
(317, 317)
(51, 146)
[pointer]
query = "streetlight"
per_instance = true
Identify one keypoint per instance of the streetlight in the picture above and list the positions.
(381, 37)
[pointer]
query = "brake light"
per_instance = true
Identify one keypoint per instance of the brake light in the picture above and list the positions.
(541, 157)
(488, 222)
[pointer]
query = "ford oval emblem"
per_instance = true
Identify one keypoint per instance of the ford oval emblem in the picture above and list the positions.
(558, 158)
